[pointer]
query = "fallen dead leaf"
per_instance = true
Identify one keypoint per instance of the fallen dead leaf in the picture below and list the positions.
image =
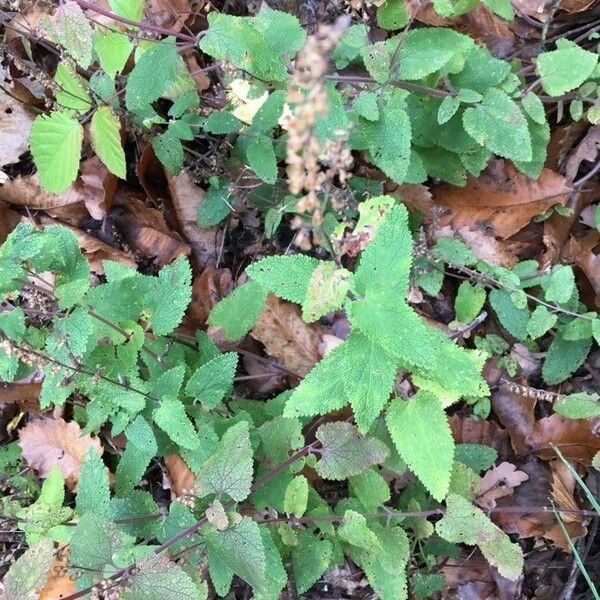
(488, 28)
(8, 220)
(498, 482)
(144, 229)
(285, 335)
(49, 442)
(186, 197)
(516, 412)
(170, 14)
(59, 584)
(25, 395)
(538, 9)
(207, 289)
(502, 203)
(587, 150)
(201, 79)
(99, 187)
(477, 431)
(181, 478)
(15, 123)
(580, 251)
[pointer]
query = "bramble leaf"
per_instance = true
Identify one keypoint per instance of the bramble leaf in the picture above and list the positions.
(106, 140)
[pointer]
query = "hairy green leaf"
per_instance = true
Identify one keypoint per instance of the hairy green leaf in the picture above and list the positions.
(106, 140)
(211, 382)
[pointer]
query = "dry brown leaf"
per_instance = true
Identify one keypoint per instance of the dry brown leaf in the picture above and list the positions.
(26, 191)
(580, 251)
(207, 289)
(488, 28)
(49, 442)
(538, 9)
(145, 230)
(186, 197)
(587, 150)
(25, 395)
(8, 220)
(59, 585)
(577, 439)
(501, 203)
(285, 335)
(182, 480)
(201, 79)
(15, 123)
(498, 482)
(170, 14)
(477, 431)
(516, 412)
(99, 187)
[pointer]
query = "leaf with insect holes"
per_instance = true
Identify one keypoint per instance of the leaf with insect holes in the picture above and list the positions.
(211, 382)
(229, 469)
(346, 452)
(55, 142)
(464, 523)
(156, 577)
(422, 436)
(106, 140)
(285, 276)
(169, 150)
(296, 496)
(565, 68)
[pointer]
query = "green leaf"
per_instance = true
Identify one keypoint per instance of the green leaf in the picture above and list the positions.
(354, 530)
(211, 382)
(349, 47)
(129, 9)
(563, 358)
(377, 61)
(422, 436)
(171, 417)
(55, 141)
(311, 557)
(237, 40)
(30, 572)
(241, 549)
(503, 8)
(113, 49)
(73, 94)
(596, 330)
(447, 109)
(365, 104)
(143, 85)
(268, 115)
(561, 286)
(221, 123)
(469, 301)
(140, 449)
(565, 68)
(281, 29)
(216, 204)
(296, 496)
(229, 469)
(169, 151)
(70, 28)
(388, 140)
(358, 371)
(285, 276)
(499, 125)
(93, 492)
(371, 489)
(261, 158)
(106, 140)
(429, 49)
(514, 319)
(540, 322)
(578, 406)
(464, 523)
(238, 312)
(534, 108)
(346, 452)
(157, 578)
(12, 324)
(392, 15)
(326, 292)
(476, 456)
(455, 251)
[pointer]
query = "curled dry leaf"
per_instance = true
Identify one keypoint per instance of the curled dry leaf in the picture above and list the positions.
(186, 197)
(145, 230)
(181, 478)
(498, 482)
(15, 123)
(49, 442)
(285, 335)
(99, 187)
(198, 75)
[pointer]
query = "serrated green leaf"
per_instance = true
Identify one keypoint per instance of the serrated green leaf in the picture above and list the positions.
(93, 492)
(503, 8)
(350, 45)
(221, 123)
(129, 9)
(229, 469)
(469, 301)
(455, 251)
(564, 358)
(261, 158)
(561, 285)
(578, 406)
(157, 578)
(346, 452)
(169, 151)
(72, 93)
(476, 456)
(423, 438)
(392, 15)
(30, 572)
(171, 417)
(371, 489)
(113, 49)
(143, 85)
(540, 322)
(534, 107)
(55, 142)
(565, 68)
(237, 39)
(70, 28)
(326, 292)
(238, 312)
(12, 324)
(296, 496)
(211, 382)
(377, 61)
(311, 557)
(281, 29)
(354, 530)
(447, 109)
(512, 318)
(285, 276)
(216, 205)
(106, 140)
(365, 104)
(499, 125)
(467, 524)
